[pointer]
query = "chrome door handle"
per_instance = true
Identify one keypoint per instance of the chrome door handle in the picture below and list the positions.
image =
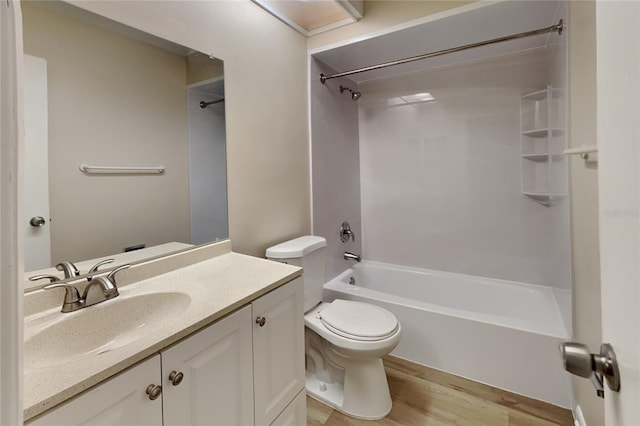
(37, 221)
(579, 360)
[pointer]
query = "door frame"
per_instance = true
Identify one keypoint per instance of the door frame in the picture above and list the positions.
(11, 212)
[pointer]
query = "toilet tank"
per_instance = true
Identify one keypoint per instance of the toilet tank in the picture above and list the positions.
(308, 253)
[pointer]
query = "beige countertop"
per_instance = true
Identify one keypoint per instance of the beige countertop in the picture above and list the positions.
(213, 287)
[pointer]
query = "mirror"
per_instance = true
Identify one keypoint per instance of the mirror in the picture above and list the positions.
(125, 141)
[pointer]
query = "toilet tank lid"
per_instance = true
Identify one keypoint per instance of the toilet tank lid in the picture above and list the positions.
(296, 248)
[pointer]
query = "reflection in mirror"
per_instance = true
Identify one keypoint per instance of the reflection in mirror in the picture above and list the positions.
(101, 94)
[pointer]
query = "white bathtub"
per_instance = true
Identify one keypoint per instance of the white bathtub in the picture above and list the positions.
(501, 333)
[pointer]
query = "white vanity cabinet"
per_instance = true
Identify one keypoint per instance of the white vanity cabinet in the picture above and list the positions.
(246, 368)
(121, 400)
(295, 414)
(278, 350)
(207, 379)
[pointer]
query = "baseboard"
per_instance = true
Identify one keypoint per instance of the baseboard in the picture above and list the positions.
(578, 417)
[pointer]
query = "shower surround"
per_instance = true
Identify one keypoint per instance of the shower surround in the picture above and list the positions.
(427, 169)
(440, 177)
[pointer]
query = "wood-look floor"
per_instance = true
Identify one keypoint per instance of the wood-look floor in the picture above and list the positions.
(424, 396)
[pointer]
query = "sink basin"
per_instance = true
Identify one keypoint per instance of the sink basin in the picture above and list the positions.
(101, 328)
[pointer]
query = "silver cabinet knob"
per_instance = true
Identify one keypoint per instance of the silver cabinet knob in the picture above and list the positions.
(261, 321)
(37, 221)
(154, 391)
(176, 377)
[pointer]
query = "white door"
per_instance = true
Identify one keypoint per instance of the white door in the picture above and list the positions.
(37, 242)
(119, 401)
(208, 378)
(278, 350)
(618, 92)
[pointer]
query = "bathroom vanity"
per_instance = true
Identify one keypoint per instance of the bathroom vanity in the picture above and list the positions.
(219, 341)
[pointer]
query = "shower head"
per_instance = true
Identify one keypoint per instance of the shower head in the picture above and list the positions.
(355, 95)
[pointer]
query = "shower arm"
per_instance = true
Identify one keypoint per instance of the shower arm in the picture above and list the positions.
(204, 104)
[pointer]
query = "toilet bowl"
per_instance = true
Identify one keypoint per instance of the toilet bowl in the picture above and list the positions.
(344, 340)
(349, 375)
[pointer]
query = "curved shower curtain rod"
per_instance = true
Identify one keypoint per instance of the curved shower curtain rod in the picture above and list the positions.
(553, 28)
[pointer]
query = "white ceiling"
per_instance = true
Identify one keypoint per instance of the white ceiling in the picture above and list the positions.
(311, 17)
(484, 23)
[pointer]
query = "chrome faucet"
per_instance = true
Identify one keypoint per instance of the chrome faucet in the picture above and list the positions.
(95, 267)
(346, 232)
(97, 290)
(100, 289)
(51, 278)
(350, 256)
(68, 268)
(71, 293)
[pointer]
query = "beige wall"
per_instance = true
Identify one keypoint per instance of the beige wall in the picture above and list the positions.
(381, 14)
(109, 105)
(584, 197)
(266, 107)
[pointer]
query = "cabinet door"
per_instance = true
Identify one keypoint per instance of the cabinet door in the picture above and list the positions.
(217, 382)
(121, 400)
(296, 412)
(278, 350)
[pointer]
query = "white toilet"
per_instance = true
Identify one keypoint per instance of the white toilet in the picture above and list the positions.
(344, 340)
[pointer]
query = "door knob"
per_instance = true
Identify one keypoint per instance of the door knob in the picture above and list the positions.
(37, 221)
(261, 321)
(579, 360)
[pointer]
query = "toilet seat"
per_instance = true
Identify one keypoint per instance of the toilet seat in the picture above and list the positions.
(358, 321)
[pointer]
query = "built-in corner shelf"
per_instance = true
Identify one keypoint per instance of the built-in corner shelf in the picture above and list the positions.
(542, 133)
(536, 157)
(542, 141)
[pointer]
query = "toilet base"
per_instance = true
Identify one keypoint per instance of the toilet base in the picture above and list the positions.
(367, 391)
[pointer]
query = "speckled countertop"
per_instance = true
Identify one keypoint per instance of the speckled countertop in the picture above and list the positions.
(208, 290)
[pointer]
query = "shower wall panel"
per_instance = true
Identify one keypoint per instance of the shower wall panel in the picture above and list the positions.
(335, 166)
(440, 173)
(207, 169)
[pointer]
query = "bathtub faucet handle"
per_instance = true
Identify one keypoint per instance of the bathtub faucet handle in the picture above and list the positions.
(346, 232)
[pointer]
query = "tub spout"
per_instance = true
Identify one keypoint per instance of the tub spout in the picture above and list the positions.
(351, 256)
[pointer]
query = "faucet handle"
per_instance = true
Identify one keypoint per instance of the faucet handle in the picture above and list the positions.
(69, 269)
(71, 295)
(346, 232)
(51, 278)
(111, 276)
(102, 288)
(95, 267)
